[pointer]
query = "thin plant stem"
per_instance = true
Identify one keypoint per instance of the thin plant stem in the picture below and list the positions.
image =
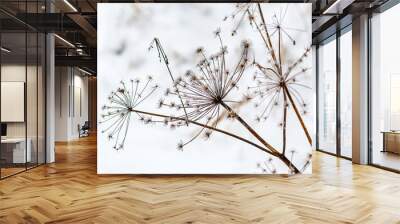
(208, 127)
(298, 115)
(281, 156)
(284, 123)
(166, 62)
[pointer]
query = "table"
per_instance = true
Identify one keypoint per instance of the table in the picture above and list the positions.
(16, 147)
(391, 141)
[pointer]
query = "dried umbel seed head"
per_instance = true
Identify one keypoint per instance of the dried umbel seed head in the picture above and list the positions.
(200, 50)
(167, 92)
(207, 134)
(121, 107)
(165, 121)
(217, 32)
(180, 146)
(247, 98)
(148, 120)
(188, 73)
(201, 92)
(234, 32)
(120, 90)
(224, 50)
(160, 103)
(246, 43)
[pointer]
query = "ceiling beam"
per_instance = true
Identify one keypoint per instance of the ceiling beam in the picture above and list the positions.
(81, 61)
(338, 6)
(84, 24)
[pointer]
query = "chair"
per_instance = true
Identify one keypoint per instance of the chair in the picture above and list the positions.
(84, 130)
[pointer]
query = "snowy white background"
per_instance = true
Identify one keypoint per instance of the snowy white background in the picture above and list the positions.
(124, 35)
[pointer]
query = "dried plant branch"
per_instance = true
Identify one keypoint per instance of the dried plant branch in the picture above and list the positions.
(208, 91)
(275, 84)
(298, 115)
(172, 119)
(281, 156)
(127, 108)
(203, 91)
(163, 56)
(204, 94)
(285, 107)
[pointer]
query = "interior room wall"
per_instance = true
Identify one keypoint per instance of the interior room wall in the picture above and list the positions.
(29, 75)
(61, 103)
(15, 72)
(71, 102)
(80, 109)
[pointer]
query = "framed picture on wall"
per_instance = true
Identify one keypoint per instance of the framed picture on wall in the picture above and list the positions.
(204, 88)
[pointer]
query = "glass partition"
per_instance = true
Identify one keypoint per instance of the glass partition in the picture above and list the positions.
(22, 77)
(327, 96)
(346, 93)
(14, 155)
(385, 89)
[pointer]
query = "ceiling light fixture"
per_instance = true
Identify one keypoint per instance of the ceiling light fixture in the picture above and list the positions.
(70, 5)
(84, 71)
(5, 50)
(337, 7)
(64, 40)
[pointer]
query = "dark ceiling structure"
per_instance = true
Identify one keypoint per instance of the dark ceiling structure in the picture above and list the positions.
(75, 22)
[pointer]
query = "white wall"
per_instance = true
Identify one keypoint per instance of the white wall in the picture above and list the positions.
(12, 73)
(16, 73)
(33, 126)
(71, 94)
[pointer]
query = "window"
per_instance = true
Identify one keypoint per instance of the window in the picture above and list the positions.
(385, 89)
(327, 97)
(346, 93)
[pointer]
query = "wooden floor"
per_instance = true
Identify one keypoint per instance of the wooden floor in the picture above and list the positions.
(5, 172)
(70, 191)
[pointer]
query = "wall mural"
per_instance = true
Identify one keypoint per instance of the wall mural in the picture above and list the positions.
(205, 88)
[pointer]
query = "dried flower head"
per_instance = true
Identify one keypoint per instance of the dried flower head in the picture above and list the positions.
(117, 113)
(203, 92)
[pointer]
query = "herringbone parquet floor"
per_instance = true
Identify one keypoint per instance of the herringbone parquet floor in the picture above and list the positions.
(70, 191)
